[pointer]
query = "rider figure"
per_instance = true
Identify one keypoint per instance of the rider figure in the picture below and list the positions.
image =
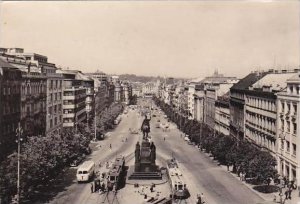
(146, 122)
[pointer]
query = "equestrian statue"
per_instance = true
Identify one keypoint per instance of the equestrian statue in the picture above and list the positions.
(145, 128)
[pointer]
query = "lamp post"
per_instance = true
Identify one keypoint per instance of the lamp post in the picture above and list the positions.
(19, 132)
(95, 119)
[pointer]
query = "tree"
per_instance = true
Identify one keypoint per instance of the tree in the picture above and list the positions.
(222, 147)
(262, 166)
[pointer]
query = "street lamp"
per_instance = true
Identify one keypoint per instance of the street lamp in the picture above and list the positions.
(19, 132)
(95, 118)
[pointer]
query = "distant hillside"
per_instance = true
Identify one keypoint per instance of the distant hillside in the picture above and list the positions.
(135, 78)
(143, 79)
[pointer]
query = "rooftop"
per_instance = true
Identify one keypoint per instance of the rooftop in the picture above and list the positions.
(275, 81)
(3, 63)
(247, 81)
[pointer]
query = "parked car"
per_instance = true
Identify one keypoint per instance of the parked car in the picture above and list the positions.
(77, 161)
(190, 143)
(134, 131)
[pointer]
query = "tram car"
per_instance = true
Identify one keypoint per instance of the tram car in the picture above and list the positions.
(177, 182)
(116, 173)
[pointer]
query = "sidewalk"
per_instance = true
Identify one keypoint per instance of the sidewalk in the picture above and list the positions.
(268, 197)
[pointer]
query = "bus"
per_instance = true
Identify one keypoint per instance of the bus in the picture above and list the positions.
(85, 171)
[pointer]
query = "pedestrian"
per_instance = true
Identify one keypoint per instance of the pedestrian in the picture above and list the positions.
(286, 193)
(92, 188)
(199, 199)
(290, 193)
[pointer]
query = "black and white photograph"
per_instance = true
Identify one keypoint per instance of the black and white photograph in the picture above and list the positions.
(150, 102)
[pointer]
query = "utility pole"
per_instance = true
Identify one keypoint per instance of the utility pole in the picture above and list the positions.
(19, 132)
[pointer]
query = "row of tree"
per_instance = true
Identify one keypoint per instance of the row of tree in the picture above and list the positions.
(43, 158)
(242, 156)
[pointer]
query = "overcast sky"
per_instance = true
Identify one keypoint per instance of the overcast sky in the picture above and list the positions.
(172, 38)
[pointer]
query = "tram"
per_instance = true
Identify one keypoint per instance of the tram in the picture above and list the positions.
(177, 182)
(116, 173)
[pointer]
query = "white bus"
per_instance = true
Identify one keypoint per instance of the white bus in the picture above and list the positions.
(85, 171)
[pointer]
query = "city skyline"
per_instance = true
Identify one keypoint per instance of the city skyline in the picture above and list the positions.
(177, 39)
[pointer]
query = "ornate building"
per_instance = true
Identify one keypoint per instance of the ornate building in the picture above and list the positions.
(10, 104)
(33, 95)
(288, 128)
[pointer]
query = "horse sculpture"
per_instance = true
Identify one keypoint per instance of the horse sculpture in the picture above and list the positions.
(145, 127)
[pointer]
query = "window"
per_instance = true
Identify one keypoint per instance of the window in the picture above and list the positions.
(294, 128)
(282, 106)
(288, 108)
(294, 149)
(50, 110)
(282, 144)
(288, 126)
(295, 109)
(287, 146)
(55, 109)
(51, 123)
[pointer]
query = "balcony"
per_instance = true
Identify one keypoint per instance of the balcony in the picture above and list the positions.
(68, 115)
(68, 106)
(70, 97)
(68, 124)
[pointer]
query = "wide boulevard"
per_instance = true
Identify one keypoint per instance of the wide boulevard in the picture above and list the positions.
(201, 173)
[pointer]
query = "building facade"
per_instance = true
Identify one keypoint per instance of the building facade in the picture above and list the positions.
(74, 98)
(10, 104)
(199, 97)
(288, 111)
(222, 115)
(260, 109)
(54, 103)
(237, 103)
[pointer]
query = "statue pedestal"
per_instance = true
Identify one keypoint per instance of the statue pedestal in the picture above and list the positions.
(145, 167)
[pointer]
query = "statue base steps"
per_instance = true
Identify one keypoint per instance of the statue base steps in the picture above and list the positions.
(145, 176)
